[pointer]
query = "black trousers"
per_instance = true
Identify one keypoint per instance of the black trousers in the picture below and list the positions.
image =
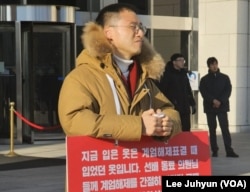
(185, 121)
(212, 124)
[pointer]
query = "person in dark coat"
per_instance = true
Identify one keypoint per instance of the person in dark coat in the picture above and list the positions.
(215, 88)
(175, 85)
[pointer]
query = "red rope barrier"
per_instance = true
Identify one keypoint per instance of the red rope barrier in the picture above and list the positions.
(34, 125)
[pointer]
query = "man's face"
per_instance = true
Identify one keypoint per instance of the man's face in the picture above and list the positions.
(213, 67)
(179, 63)
(124, 35)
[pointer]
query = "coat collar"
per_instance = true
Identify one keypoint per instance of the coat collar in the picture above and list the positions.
(212, 73)
(98, 47)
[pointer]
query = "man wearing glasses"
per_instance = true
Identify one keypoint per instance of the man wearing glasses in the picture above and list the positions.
(176, 87)
(111, 92)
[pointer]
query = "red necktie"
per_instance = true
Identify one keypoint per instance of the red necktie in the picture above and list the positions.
(132, 78)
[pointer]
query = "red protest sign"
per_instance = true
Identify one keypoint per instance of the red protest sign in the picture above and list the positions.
(100, 165)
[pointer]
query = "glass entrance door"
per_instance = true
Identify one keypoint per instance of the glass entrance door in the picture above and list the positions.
(47, 56)
(7, 77)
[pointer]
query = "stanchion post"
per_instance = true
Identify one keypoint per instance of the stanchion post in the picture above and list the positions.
(11, 153)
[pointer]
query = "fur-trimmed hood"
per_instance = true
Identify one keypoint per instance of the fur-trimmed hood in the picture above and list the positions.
(94, 92)
(98, 46)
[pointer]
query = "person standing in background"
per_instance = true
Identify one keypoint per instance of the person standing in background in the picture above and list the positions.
(176, 87)
(215, 88)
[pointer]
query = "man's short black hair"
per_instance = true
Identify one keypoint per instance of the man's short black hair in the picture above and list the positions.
(113, 8)
(211, 60)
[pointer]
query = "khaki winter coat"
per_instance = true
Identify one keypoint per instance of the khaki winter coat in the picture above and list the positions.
(87, 103)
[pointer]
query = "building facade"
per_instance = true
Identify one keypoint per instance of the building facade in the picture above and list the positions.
(39, 41)
(37, 49)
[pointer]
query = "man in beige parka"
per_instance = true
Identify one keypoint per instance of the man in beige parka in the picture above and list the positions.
(111, 92)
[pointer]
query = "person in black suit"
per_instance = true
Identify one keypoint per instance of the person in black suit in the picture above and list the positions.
(175, 85)
(215, 88)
